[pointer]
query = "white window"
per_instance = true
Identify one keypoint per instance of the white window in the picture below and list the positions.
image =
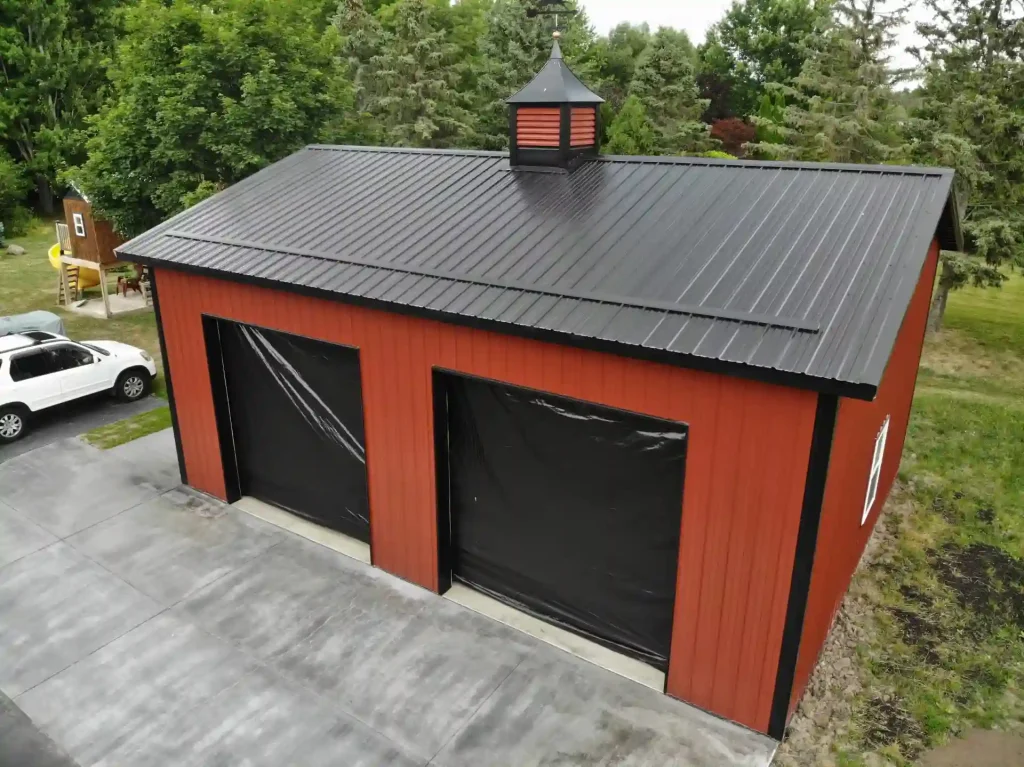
(876, 470)
(79, 224)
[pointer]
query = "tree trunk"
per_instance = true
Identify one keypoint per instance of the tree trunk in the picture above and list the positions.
(937, 313)
(938, 310)
(45, 193)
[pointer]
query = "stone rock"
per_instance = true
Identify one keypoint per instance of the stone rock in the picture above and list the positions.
(15, 250)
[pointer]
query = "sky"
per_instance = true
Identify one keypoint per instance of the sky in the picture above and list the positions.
(695, 16)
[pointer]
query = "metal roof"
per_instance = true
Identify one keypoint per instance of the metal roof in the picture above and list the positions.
(555, 84)
(794, 273)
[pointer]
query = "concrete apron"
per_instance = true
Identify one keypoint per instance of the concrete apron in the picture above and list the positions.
(144, 624)
(581, 647)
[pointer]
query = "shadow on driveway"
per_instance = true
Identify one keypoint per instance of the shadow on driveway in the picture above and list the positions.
(76, 418)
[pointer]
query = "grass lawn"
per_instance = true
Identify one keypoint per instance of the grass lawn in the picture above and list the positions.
(28, 282)
(112, 435)
(945, 651)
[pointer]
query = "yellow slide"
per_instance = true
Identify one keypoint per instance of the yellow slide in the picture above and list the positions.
(87, 278)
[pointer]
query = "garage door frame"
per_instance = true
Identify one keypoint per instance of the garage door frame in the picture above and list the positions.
(222, 407)
(445, 532)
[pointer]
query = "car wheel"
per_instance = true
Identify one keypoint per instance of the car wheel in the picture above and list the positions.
(13, 424)
(132, 385)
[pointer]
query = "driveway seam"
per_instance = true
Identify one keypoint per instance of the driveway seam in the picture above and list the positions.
(90, 654)
(471, 717)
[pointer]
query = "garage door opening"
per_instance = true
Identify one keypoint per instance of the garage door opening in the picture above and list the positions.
(290, 417)
(567, 511)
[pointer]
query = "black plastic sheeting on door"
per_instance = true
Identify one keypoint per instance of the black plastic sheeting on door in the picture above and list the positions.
(297, 417)
(568, 511)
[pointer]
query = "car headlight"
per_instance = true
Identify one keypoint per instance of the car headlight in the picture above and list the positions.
(146, 356)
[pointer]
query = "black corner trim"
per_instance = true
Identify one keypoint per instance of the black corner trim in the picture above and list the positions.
(221, 409)
(442, 480)
(803, 562)
(168, 383)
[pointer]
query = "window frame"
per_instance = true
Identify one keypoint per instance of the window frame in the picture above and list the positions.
(875, 476)
(78, 221)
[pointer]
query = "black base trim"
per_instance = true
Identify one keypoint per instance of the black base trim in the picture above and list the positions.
(154, 291)
(803, 563)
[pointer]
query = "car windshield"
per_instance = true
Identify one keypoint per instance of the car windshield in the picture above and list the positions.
(104, 352)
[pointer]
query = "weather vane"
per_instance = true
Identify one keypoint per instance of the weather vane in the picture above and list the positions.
(551, 8)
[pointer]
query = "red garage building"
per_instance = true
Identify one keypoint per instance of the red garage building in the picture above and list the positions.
(657, 401)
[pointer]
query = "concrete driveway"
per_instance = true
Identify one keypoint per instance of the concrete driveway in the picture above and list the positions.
(142, 624)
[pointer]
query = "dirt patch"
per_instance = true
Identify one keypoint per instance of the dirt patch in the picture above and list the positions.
(986, 581)
(979, 749)
(950, 353)
(825, 714)
(886, 721)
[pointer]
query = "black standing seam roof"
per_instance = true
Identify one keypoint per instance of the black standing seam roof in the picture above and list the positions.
(793, 273)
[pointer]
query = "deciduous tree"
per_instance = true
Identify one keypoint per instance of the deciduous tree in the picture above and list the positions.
(52, 56)
(204, 94)
(756, 43)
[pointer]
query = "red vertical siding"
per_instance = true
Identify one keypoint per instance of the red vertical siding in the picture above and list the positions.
(747, 457)
(841, 537)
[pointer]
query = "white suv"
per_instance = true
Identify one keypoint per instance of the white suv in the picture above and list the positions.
(39, 370)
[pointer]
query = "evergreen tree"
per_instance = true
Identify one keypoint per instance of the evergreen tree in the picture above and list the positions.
(971, 119)
(842, 106)
(615, 58)
(632, 132)
(411, 85)
(665, 84)
(362, 38)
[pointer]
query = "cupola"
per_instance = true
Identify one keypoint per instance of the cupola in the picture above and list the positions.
(554, 122)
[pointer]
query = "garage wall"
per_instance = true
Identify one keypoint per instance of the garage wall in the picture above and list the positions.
(746, 462)
(841, 537)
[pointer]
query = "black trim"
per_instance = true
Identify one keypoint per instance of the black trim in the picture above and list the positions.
(803, 562)
(443, 481)
(861, 391)
(513, 131)
(221, 408)
(168, 383)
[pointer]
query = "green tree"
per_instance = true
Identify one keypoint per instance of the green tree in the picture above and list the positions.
(204, 94)
(615, 57)
(361, 39)
(665, 84)
(632, 131)
(971, 119)
(412, 83)
(13, 187)
(756, 43)
(513, 50)
(52, 56)
(842, 106)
